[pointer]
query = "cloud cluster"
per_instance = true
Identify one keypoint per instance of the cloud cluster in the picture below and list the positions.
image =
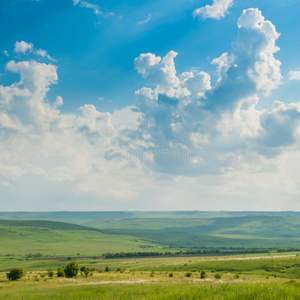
(217, 10)
(184, 134)
(221, 122)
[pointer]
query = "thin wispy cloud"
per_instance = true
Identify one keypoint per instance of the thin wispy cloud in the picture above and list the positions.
(145, 20)
(96, 8)
(294, 75)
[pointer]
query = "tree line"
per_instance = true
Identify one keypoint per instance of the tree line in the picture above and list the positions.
(188, 252)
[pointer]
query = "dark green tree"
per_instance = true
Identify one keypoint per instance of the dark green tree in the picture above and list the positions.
(71, 269)
(15, 273)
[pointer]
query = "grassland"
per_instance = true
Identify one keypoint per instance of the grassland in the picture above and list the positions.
(58, 238)
(259, 278)
(85, 236)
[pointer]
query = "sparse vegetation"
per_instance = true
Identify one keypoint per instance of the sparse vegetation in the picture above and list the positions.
(203, 275)
(60, 272)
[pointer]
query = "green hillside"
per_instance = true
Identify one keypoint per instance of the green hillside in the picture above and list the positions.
(93, 237)
(248, 231)
(49, 238)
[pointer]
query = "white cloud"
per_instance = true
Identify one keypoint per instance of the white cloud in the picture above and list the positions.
(265, 71)
(221, 121)
(24, 47)
(294, 75)
(217, 10)
(96, 9)
(6, 53)
(145, 20)
(222, 146)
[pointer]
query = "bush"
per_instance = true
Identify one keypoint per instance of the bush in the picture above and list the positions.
(15, 273)
(86, 271)
(50, 274)
(237, 276)
(203, 275)
(71, 269)
(171, 275)
(107, 269)
(218, 275)
(188, 274)
(60, 272)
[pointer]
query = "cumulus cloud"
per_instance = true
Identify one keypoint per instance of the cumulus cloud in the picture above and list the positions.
(294, 75)
(193, 136)
(220, 121)
(38, 142)
(217, 10)
(24, 47)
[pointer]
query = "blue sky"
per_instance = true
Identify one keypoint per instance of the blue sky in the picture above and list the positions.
(86, 85)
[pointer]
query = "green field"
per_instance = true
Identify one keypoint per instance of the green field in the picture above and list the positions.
(259, 278)
(58, 238)
(47, 241)
(139, 230)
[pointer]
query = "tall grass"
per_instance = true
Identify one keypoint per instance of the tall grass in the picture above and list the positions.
(174, 291)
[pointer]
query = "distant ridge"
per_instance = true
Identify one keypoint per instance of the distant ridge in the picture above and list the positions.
(85, 215)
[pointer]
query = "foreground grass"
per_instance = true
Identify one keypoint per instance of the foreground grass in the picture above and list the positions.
(162, 290)
(149, 279)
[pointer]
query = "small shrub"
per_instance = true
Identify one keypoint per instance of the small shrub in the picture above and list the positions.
(218, 276)
(50, 274)
(188, 274)
(203, 275)
(86, 271)
(15, 273)
(60, 272)
(107, 269)
(152, 274)
(237, 276)
(71, 269)
(171, 275)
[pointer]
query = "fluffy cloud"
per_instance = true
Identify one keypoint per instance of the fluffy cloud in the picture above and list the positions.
(24, 47)
(217, 10)
(221, 121)
(38, 142)
(184, 136)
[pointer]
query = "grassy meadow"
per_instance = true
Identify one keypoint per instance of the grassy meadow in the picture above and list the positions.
(48, 241)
